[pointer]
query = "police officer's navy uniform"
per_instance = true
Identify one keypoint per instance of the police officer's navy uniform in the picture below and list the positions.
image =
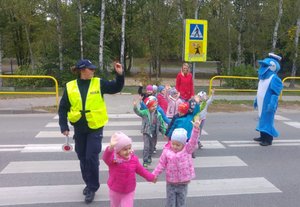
(83, 105)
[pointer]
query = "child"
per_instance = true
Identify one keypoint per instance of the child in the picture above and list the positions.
(162, 98)
(154, 89)
(173, 102)
(185, 121)
(123, 166)
(182, 110)
(152, 124)
(177, 161)
(204, 103)
(143, 95)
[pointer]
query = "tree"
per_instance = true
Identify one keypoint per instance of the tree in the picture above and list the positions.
(296, 44)
(101, 35)
(80, 28)
(122, 59)
(275, 33)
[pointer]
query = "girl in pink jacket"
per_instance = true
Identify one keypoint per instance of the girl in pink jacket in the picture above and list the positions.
(176, 160)
(123, 166)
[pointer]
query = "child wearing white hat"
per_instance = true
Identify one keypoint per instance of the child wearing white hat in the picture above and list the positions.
(178, 176)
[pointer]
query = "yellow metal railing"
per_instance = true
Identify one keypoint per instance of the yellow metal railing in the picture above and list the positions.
(231, 89)
(247, 90)
(289, 90)
(32, 92)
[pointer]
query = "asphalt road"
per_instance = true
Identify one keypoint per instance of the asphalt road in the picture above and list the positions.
(231, 169)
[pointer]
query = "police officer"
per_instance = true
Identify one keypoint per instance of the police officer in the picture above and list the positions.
(83, 105)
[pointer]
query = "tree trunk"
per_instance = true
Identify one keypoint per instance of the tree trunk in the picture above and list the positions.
(197, 8)
(101, 36)
(59, 33)
(229, 46)
(296, 44)
(29, 48)
(275, 33)
(80, 28)
(122, 58)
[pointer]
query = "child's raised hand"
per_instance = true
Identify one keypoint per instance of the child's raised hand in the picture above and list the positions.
(196, 123)
(197, 98)
(113, 141)
(136, 101)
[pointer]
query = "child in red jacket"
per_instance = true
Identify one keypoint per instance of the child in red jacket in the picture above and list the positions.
(123, 166)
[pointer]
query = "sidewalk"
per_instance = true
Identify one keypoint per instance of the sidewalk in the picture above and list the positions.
(116, 104)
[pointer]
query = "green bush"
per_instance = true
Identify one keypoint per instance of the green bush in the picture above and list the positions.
(30, 82)
(245, 71)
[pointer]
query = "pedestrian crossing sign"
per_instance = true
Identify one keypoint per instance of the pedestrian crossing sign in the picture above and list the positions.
(195, 44)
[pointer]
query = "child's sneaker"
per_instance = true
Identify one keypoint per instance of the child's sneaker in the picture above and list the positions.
(149, 161)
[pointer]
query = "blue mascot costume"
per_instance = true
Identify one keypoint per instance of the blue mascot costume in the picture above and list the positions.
(266, 101)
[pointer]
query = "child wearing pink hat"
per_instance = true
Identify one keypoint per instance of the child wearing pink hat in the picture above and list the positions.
(123, 166)
(176, 161)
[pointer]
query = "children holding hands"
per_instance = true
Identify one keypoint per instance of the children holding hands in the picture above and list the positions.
(123, 166)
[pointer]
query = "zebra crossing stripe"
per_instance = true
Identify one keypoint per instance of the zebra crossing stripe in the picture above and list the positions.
(106, 133)
(293, 124)
(114, 116)
(30, 148)
(73, 165)
(144, 190)
(281, 118)
(110, 123)
(244, 143)
(11, 148)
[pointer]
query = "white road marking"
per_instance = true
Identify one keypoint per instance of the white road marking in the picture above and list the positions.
(281, 118)
(293, 124)
(144, 190)
(135, 145)
(73, 165)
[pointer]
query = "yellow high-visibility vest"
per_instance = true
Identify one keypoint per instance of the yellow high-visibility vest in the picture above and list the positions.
(95, 108)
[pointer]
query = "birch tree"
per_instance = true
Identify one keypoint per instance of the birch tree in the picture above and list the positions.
(122, 58)
(241, 11)
(275, 33)
(101, 35)
(80, 28)
(296, 45)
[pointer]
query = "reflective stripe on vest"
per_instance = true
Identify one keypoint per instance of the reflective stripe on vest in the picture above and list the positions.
(95, 108)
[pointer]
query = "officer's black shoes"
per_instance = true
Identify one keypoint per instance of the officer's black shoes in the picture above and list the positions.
(89, 197)
(265, 144)
(85, 190)
(258, 139)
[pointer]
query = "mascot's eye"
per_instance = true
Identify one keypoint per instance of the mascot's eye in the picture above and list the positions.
(272, 66)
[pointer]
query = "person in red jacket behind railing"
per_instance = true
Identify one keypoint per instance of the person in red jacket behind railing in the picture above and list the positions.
(184, 83)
